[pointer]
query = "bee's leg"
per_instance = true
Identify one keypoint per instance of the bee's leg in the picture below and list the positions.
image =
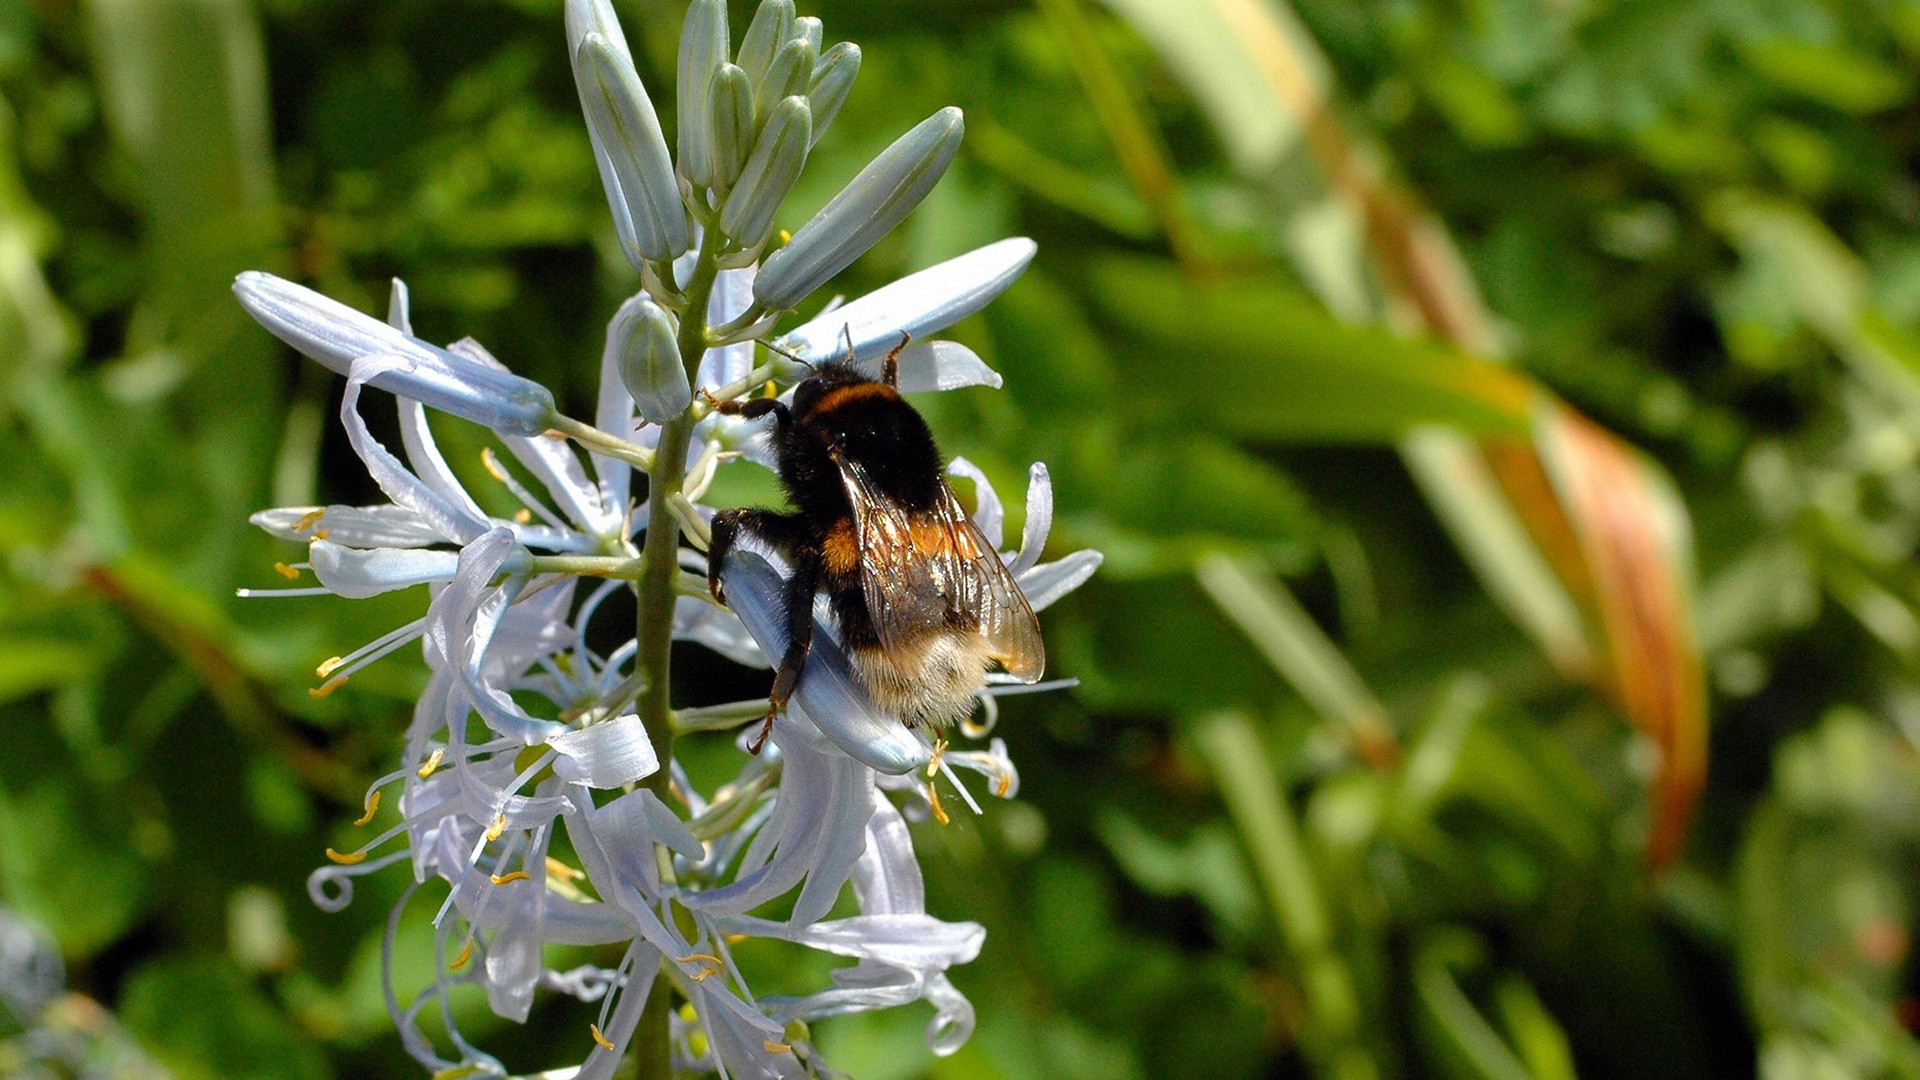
(799, 597)
(755, 408)
(890, 368)
(782, 531)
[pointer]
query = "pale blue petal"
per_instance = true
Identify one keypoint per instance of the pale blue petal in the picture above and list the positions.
(829, 692)
(383, 526)
(987, 513)
(393, 478)
(337, 335)
(732, 294)
(1033, 536)
(358, 573)
(611, 754)
(919, 304)
(1048, 582)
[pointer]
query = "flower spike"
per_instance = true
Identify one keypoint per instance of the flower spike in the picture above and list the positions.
(868, 208)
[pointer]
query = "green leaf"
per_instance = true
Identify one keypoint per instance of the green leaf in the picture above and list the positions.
(1260, 361)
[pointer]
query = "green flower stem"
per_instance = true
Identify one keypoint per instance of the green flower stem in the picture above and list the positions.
(659, 571)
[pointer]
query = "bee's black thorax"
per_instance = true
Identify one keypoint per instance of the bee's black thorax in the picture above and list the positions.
(839, 411)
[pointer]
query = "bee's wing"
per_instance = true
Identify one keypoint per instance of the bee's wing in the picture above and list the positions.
(934, 571)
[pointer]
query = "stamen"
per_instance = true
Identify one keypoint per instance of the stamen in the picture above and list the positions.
(1002, 784)
(322, 534)
(347, 858)
(249, 594)
(593, 1028)
(967, 796)
(934, 763)
(522, 516)
(498, 827)
(286, 571)
(373, 650)
(433, 762)
(327, 666)
(704, 974)
(704, 958)
(776, 1048)
(503, 879)
(933, 802)
(328, 687)
(466, 954)
(373, 803)
(308, 521)
(530, 504)
(556, 868)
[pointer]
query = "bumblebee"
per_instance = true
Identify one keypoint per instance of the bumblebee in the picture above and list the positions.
(923, 602)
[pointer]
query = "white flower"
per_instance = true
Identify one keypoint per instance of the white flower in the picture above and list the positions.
(667, 874)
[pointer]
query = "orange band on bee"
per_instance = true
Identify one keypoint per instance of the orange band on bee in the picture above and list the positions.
(840, 551)
(845, 395)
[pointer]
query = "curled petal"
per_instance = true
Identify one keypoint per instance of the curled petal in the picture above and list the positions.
(606, 755)
(987, 513)
(868, 208)
(1033, 534)
(919, 304)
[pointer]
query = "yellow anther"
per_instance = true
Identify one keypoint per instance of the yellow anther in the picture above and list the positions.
(347, 858)
(499, 826)
(286, 571)
(322, 534)
(705, 973)
(701, 957)
(466, 954)
(558, 869)
(785, 237)
(328, 687)
(1003, 784)
(933, 800)
(555, 434)
(433, 762)
(328, 665)
(492, 464)
(373, 803)
(309, 520)
(771, 390)
(939, 752)
(517, 875)
(601, 1040)
(523, 515)
(776, 1048)
(735, 939)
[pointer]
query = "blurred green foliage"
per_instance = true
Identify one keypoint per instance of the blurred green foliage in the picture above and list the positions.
(1318, 806)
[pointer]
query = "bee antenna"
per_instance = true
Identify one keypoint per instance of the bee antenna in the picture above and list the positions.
(846, 335)
(808, 364)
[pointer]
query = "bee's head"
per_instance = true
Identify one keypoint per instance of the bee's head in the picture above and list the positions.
(829, 375)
